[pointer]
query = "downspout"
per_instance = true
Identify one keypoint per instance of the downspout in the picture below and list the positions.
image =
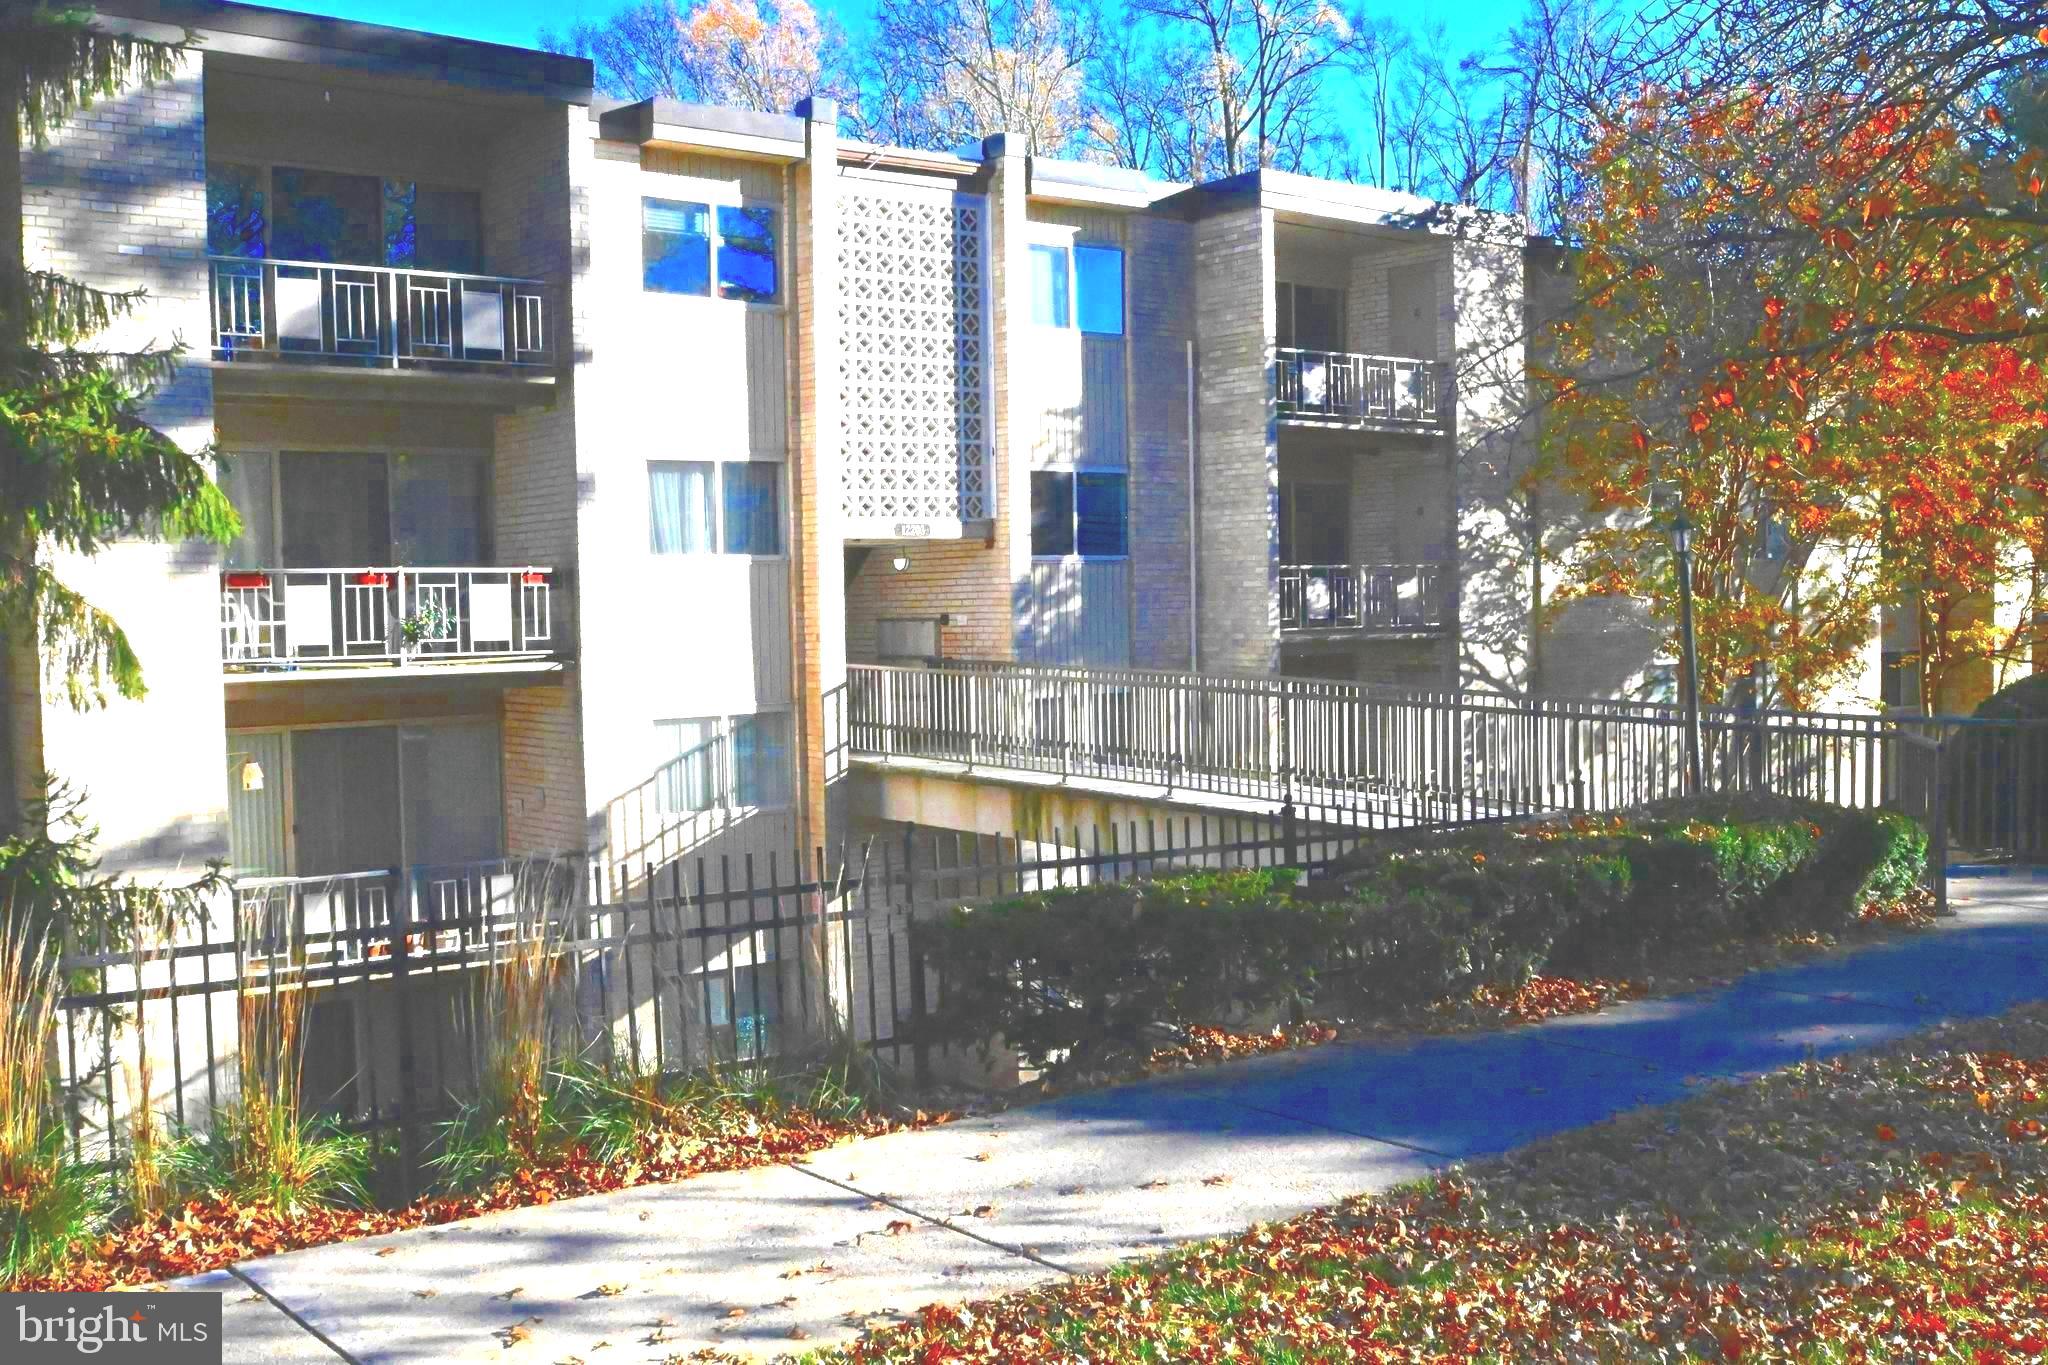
(1194, 531)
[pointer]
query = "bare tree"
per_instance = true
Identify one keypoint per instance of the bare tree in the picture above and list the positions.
(753, 54)
(944, 74)
(1153, 106)
(1265, 60)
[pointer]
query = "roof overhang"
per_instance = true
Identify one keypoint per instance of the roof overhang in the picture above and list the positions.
(343, 44)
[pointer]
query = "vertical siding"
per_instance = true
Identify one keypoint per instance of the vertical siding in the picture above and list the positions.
(768, 383)
(1074, 611)
(769, 592)
(256, 837)
(1103, 426)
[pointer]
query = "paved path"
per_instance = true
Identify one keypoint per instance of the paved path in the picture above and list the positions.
(786, 1257)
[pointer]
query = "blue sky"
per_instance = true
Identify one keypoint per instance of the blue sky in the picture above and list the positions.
(1471, 23)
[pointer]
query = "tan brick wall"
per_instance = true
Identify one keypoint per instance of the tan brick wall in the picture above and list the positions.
(1238, 595)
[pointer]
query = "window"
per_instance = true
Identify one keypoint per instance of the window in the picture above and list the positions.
(1093, 289)
(753, 508)
(1049, 286)
(760, 759)
(1900, 679)
(1315, 522)
(686, 513)
(327, 217)
(709, 762)
(680, 506)
(432, 229)
(1052, 513)
(675, 247)
(1099, 289)
(1099, 514)
(1082, 512)
(1308, 317)
(746, 253)
(688, 778)
(234, 211)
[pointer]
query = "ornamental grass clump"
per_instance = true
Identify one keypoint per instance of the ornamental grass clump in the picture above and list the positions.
(516, 1120)
(262, 1147)
(49, 1204)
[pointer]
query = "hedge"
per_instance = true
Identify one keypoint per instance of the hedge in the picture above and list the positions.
(1087, 977)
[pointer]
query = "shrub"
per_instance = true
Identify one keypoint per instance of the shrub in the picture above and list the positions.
(1081, 976)
(1084, 977)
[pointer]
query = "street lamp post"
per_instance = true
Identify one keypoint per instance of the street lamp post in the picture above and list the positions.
(1689, 682)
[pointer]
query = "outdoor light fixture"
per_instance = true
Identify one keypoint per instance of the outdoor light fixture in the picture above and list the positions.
(900, 563)
(1681, 534)
(252, 776)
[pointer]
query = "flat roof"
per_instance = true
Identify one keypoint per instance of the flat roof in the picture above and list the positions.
(283, 35)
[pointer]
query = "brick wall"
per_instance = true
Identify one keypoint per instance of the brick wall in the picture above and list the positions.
(534, 230)
(118, 200)
(966, 581)
(1496, 559)
(1237, 458)
(1160, 320)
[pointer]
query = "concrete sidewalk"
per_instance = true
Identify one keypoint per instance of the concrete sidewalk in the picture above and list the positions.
(790, 1257)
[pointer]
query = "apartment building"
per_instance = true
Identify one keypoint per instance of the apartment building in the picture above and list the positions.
(580, 445)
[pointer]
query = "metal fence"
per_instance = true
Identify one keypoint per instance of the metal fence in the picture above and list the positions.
(1382, 756)
(669, 968)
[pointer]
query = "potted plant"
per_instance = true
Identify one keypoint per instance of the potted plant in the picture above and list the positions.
(428, 621)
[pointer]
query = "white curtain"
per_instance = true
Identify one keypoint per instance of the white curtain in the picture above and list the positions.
(679, 506)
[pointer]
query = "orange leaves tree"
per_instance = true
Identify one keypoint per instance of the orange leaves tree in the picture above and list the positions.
(1815, 324)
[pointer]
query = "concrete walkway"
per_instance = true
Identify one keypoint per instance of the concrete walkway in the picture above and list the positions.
(789, 1257)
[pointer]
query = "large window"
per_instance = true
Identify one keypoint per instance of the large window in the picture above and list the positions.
(1315, 522)
(680, 253)
(235, 225)
(1086, 283)
(682, 518)
(698, 507)
(688, 778)
(1309, 317)
(1099, 289)
(1082, 512)
(1049, 289)
(717, 762)
(675, 247)
(329, 216)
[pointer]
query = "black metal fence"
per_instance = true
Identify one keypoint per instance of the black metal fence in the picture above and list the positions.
(727, 961)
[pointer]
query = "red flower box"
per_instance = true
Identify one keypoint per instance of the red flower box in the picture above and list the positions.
(532, 579)
(246, 580)
(373, 579)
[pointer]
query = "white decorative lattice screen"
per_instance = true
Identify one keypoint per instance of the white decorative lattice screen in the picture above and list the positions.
(913, 369)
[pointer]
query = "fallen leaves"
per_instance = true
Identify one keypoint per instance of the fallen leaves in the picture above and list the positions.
(1889, 1207)
(209, 1233)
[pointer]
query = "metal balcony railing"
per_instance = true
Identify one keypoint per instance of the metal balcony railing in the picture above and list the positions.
(1340, 387)
(1397, 598)
(376, 316)
(433, 912)
(271, 618)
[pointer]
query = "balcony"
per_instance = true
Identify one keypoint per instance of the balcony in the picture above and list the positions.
(1363, 599)
(292, 619)
(378, 317)
(1345, 389)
